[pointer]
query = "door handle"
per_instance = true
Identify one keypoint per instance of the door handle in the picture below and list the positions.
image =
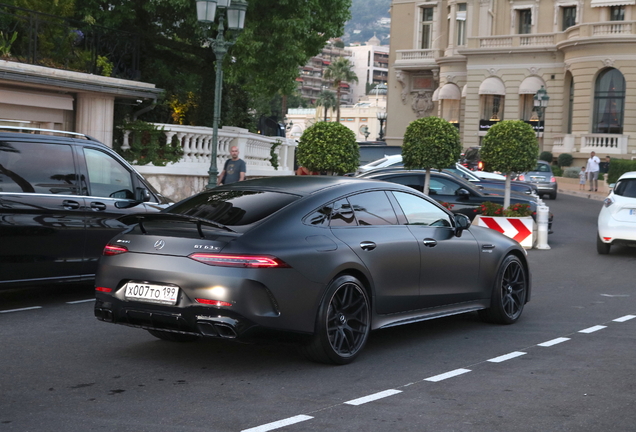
(70, 205)
(367, 245)
(429, 242)
(97, 206)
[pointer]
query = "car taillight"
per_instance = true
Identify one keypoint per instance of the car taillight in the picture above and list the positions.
(110, 250)
(608, 202)
(103, 289)
(552, 179)
(480, 165)
(229, 260)
(217, 303)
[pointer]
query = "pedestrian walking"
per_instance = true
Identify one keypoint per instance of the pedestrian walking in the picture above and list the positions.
(592, 169)
(582, 178)
(233, 170)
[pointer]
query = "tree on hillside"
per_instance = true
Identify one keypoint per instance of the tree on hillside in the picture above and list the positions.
(430, 142)
(327, 100)
(339, 71)
(510, 146)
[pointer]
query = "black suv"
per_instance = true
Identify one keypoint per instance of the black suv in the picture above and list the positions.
(60, 196)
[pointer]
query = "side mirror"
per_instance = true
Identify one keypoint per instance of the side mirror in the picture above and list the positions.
(142, 194)
(462, 193)
(461, 223)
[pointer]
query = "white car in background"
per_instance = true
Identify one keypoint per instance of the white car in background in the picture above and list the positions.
(395, 161)
(617, 218)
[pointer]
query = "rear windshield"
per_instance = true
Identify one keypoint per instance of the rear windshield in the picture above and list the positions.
(543, 168)
(233, 208)
(626, 188)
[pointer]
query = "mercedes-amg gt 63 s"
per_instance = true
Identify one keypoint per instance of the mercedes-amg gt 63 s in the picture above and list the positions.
(325, 258)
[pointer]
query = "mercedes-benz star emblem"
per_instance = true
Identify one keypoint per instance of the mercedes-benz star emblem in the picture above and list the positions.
(159, 244)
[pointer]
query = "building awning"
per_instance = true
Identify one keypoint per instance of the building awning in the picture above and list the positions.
(608, 3)
(492, 86)
(435, 97)
(531, 85)
(40, 100)
(465, 90)
(449, 91)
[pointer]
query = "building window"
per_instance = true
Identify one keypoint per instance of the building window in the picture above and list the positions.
(526, 104)
(461, 24)
(450, 110)
(492, 107)
(525, 21)
(617, 13)
(609, 102)
(571, 106)
(568, 17)
(427, 28)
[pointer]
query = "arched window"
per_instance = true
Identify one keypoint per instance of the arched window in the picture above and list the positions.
(609, 102)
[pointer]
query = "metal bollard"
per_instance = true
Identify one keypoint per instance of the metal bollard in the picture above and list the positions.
(543, 214)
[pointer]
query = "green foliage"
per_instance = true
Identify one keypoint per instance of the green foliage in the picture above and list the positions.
(565, 160)
(329, 147)
(365, 15)
(571, 172)
(148, 144)
(327, 100)
(510, 146)
(273, 156)
(6, 42)
(105, 66)
(338, 71)
(546, 156)
(489, 208)
(430, 142)
(618, 167)
(557, 171)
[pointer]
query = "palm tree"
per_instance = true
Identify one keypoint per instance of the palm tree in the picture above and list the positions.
(327, 100)
(339, 71)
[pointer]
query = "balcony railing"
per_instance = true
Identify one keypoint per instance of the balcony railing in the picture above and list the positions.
(47, 40)
(417, 57)
(610, 144)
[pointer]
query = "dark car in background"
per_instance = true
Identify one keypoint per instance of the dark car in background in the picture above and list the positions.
(315, 256)
(60, 196)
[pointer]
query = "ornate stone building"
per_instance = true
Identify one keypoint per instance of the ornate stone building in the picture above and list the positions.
(475, 62)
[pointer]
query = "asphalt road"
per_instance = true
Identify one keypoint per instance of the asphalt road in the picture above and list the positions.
(567, 365)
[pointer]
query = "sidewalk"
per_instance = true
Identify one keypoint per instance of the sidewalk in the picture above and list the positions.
(570, 186)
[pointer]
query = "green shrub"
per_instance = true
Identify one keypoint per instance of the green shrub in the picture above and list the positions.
(571, 172)
(565, 160)
(557, 171)
(546, 156)
(328, 147)
(618, 167)
(148, 144)
(430, 142)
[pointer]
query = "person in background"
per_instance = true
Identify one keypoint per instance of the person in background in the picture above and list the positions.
(582, 179)
(592, 168)
(233, 170)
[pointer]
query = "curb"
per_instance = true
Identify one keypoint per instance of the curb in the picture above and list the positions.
(584, 194)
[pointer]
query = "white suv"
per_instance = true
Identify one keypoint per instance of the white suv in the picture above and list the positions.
(617, 219)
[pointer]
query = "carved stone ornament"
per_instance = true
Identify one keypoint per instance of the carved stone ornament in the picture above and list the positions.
(567, 66)
(493, 71)
(451, 79)
(608, 62)
(422, 103)
(533, 70)
(402, 78)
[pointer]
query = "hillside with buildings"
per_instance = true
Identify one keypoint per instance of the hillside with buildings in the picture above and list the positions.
(368, 18)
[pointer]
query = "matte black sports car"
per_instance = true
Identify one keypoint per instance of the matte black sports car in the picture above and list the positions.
(331, 258)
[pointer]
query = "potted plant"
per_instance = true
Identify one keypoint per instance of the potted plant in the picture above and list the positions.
(514, 221)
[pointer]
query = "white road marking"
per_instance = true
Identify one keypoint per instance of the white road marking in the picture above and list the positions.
(447, 375)
(22, 309)
(592, 329)
(505, 357)
(615, 295)
(554, 342)
(373, 397)
(625, 318)
(279, 424)
(81, 301)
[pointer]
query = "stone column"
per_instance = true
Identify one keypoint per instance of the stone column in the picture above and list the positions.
(95, 116)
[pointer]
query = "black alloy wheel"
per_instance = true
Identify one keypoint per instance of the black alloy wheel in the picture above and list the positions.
(343, 323)
(601, 247)
(173, 337)
(509, 293)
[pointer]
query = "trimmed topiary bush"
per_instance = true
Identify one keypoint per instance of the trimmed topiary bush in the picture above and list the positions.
(565, 160)
(510, 146)
(430, 142)
(546, 156)
(328, 147)
(571, 172)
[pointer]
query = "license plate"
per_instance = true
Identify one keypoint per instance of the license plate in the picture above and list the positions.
(151, 293)
(536, 179)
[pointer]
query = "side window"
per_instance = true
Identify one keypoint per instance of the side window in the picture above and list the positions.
(320, 217)
(413, 181)
(342, 214)
(373, 208)
(418, 211)
(107, 177)
(37, 168)
(442, 186)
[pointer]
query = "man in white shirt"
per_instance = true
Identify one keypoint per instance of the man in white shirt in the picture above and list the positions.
(592, 171)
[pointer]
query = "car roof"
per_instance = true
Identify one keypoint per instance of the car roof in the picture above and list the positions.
(628, 175)
(297, 185)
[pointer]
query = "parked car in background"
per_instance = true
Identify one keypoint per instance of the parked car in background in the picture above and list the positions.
(312, 255)
(471, 176)
(374, 150)
(617, 218)
(543, 178)
(471, 159)
(60, 196)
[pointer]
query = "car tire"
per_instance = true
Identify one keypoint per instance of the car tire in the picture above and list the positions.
(173, 337)
(601, 247)
(553, 195)
(509, 293)
(343, 323)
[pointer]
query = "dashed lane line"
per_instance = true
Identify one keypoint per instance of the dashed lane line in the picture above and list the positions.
(279, 424)
(553, 342)
(592, 329)
(21, 309)
(373, 397)
(505, 357)
(625, 318)
(81, 301)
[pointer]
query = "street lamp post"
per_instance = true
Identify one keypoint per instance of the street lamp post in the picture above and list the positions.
(541, 100)
(382, 117)
(206, 11)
